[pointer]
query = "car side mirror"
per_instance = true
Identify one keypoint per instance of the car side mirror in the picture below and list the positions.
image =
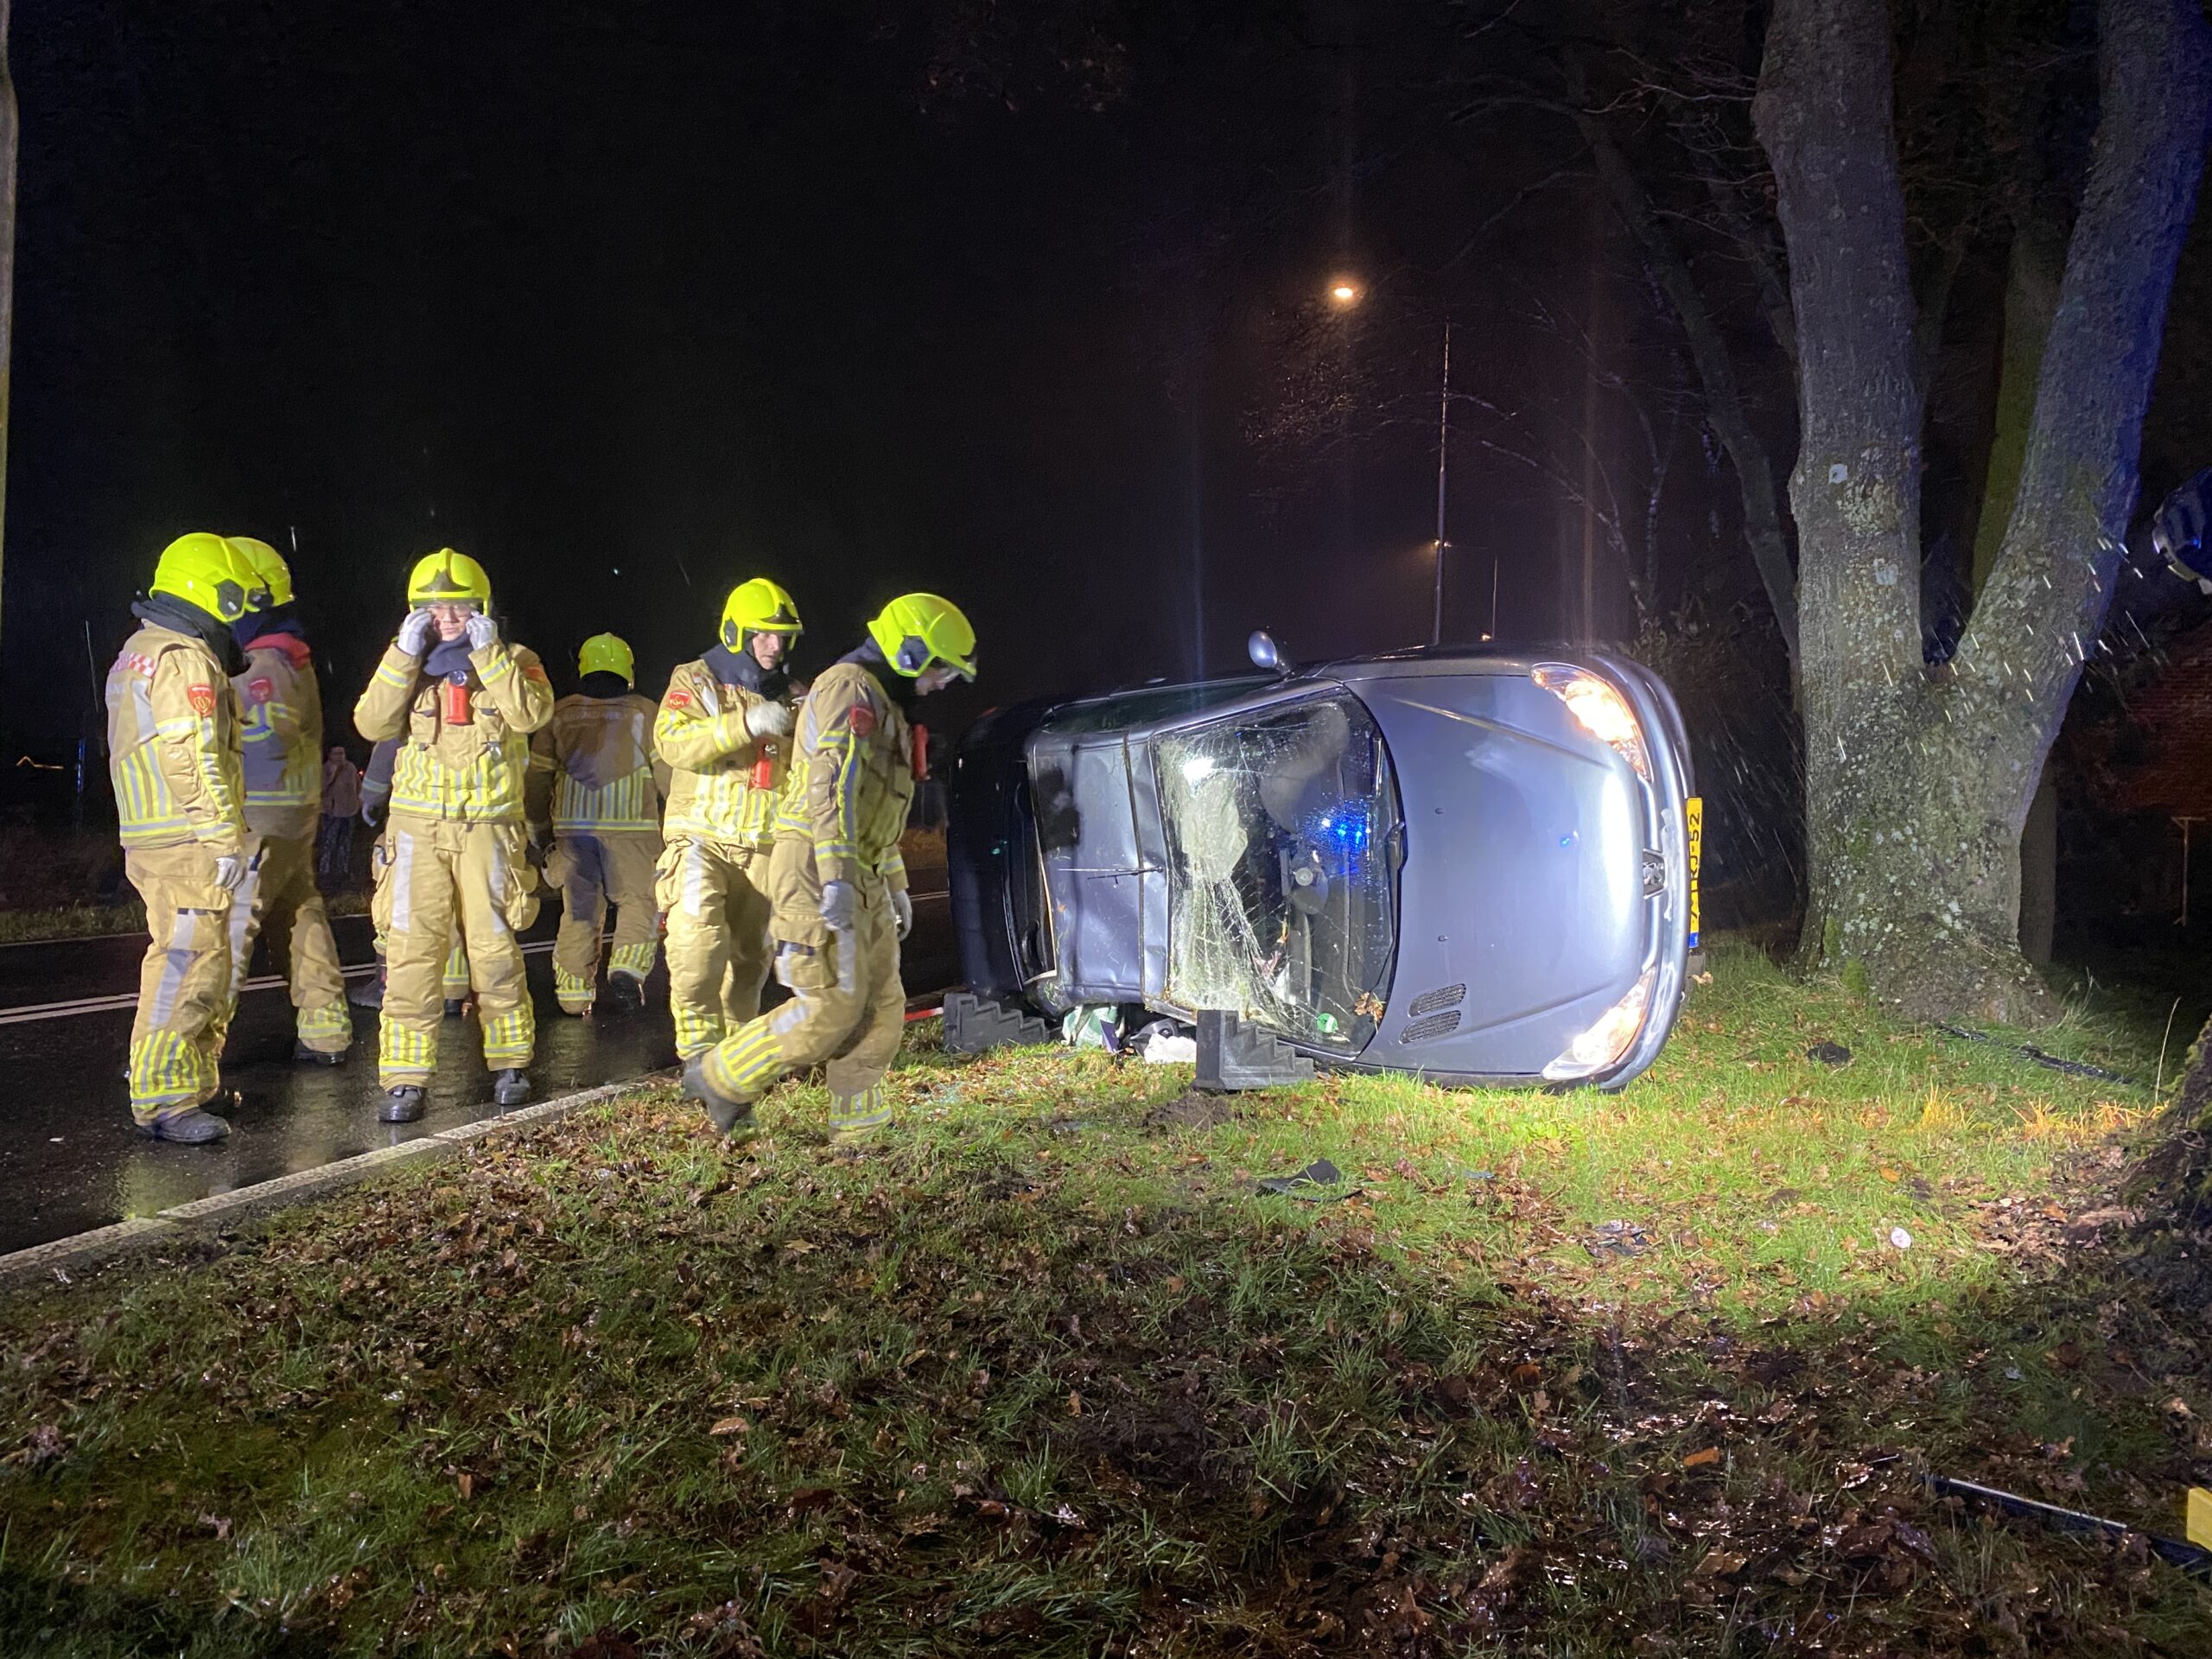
(1261, 649)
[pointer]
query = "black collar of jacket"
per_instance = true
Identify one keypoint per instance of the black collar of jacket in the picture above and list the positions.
(167, 611)
(277, 619)
(743, 668)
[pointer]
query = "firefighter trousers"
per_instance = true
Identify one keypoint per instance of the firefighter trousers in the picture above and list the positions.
(714, 894)
(184, 984)
(279, 901)
(444, 872)
(848, 1010)
(456, 968)
(591, 872)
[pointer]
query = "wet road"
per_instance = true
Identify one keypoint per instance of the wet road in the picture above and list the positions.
(70, 1160)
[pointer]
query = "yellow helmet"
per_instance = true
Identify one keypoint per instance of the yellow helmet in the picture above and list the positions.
(446, 577)
(608, 653)
(204, 570)
(917, 629)
(269, 564)
(758, 607)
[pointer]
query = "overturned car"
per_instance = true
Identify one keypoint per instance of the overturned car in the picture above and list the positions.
(1477, 865)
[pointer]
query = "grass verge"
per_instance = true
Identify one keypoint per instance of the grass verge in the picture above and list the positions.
(1660, 1373)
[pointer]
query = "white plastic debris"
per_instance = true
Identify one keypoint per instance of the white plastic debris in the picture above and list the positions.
(1167, 1048)
(1901, 1238)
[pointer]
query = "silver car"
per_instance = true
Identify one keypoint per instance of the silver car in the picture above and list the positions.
(1477, 866)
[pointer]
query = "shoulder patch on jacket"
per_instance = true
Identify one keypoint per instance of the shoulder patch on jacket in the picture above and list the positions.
(202, 698)
(677, 699)
(536, 670)
(261, 688)
(862, 720)
(137, 663)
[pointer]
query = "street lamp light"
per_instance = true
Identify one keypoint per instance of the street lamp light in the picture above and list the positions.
(1344, 293)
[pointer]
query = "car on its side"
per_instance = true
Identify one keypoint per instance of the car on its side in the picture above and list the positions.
(1478, 865)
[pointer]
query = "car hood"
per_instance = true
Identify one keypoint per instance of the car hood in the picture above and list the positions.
(1522, 879)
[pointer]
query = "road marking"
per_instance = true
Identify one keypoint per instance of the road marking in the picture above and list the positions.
(130, 999)
(31, 1013)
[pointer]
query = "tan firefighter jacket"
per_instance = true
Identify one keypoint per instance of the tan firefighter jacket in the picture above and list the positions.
(716, 791)
(592, 768)
(464, 751)
(173, 743)
(858, 784)
(283, 706)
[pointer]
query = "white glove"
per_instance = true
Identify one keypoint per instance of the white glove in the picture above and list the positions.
(230, 870)
(841, 906)
(414, 633)
(768, 720)
(902, 911)
(482, 631)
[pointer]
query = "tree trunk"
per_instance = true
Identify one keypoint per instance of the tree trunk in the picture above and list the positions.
(2032, 274)
(1918, 784)
(8, 144)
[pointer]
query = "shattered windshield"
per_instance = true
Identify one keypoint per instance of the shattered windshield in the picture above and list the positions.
(1283, 901)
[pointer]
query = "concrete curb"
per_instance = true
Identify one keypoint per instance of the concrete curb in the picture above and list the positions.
(202, 1217)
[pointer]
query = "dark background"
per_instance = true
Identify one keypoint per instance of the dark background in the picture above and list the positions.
(635, 301)
(1022, 304)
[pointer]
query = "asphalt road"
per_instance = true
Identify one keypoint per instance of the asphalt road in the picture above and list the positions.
(70, 1160)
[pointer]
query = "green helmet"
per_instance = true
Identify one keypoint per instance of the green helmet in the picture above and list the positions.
(916, 630)
(608, 653)
(269, 564)
(447, 577)
(205, 570)
(758, 607)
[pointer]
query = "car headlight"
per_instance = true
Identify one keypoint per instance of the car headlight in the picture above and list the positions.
(1607, 1040)
(1598, 708)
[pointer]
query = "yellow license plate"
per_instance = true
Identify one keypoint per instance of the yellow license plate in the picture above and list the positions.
(1693, 833)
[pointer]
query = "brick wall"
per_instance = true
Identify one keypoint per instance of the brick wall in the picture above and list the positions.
(2174, 716)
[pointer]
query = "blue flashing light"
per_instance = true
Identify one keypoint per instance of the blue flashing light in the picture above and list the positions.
(1345, 832)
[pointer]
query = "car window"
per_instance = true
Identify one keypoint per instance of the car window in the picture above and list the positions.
(1152, 703)
(1283, 891)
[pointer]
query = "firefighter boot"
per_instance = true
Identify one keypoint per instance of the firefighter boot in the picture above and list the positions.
(400, 1105)
(733, 1117)
(190, 1127)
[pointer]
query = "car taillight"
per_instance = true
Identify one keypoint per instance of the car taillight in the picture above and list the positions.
(1607, 1040)
(1598, 708)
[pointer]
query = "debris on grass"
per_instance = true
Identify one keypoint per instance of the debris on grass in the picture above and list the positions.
(1320, 1181)
(1002, 1388)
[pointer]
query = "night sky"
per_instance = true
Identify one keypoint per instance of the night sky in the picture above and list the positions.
(634, 302)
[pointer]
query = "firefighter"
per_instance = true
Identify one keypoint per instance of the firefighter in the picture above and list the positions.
(837, 883)
(282, 707)
(721, 731)
(174, 757)
(594, 780)
(464, 703)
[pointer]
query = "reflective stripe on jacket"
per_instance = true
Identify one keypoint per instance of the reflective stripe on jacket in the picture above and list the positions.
(283, 741)
(464, 750)
(852, 799)
(700, 736)
(173, 743)
(596, 759)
